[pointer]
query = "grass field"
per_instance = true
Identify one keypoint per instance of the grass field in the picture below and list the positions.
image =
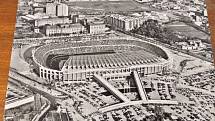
(109, 6)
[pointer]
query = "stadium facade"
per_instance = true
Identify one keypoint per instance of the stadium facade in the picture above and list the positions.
(110, 58)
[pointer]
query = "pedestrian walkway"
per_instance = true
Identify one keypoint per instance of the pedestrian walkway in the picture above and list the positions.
(140, 88)
(111, 88)
(124, 104)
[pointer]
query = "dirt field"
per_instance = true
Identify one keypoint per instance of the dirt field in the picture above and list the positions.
(186, 30)
(109, 6)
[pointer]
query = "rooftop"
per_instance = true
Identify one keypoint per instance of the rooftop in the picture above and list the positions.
(123, 17)
(65, 26)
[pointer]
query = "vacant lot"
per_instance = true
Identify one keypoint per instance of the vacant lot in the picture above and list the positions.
(109, 6)
(186, 30)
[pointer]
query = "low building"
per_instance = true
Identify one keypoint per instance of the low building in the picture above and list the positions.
(36, 30)
(51, 21)
(124, 23)
(191, 45)
(197, 43)
(64, 29)
(209, 54)
(77, 18)
(96, 28)
(188, 47)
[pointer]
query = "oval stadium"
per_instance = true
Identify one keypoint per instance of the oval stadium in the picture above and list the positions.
(110, 58)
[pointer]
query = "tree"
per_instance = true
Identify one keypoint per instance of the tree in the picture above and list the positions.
(153, 29)
(150, 28)
(159, 112)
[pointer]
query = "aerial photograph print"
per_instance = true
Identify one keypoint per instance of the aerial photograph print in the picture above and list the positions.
(111, 60)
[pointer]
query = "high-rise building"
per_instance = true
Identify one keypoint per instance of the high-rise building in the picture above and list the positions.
(62, 10)
(51, 9)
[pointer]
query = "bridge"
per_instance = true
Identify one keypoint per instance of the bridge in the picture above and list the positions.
(126, 101)
(34, 85)
(140, 88)
(121, 105)
(111, 88)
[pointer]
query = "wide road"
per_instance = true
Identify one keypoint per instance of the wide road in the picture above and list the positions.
(35, 90)
(50, 94)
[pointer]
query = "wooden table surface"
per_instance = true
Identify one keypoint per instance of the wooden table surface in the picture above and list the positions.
(7, 26)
